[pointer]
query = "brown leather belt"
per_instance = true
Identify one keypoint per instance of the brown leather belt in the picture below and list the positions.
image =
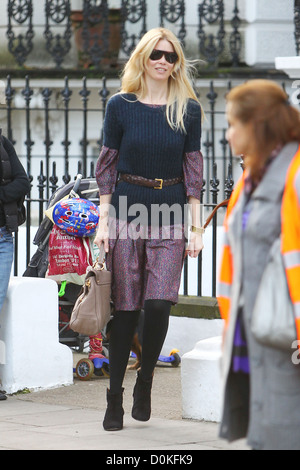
(157, 183)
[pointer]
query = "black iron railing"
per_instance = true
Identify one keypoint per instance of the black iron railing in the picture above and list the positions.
(48, 169)
(53, 157)
(94, 28)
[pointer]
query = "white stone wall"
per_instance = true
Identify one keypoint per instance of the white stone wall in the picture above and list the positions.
(270, 31)
(266, 26)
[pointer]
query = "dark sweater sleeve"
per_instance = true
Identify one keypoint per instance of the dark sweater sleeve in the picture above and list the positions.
(112, 131)
(194, 128)
(20, 184)
(193, 160)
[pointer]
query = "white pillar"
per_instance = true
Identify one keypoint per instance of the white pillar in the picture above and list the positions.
(31, 355)
(201, 381)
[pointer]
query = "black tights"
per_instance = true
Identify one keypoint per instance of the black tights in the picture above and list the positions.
(124, 324)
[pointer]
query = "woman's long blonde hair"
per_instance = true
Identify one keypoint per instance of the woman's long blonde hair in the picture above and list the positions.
(180, 87)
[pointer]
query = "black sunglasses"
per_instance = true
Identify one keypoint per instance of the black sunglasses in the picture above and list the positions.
(170, 57)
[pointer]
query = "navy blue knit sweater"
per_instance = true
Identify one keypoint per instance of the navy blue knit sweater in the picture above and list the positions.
(148, 147)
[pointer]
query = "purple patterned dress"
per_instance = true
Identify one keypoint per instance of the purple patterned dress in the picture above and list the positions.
(151, 269)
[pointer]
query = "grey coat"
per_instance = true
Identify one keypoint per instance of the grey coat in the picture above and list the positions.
(265, 407)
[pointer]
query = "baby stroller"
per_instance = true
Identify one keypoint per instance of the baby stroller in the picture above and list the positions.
(98, 362)
(69, 291)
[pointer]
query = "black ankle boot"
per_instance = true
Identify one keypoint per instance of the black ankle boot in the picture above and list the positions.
(141, 410)
(113, 420)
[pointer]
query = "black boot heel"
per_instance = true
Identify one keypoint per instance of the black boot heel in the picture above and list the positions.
(141, 410)
(113, 420)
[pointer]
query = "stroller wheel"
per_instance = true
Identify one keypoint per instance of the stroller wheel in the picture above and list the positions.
(85, 369)
(105, 370)
(177, 360)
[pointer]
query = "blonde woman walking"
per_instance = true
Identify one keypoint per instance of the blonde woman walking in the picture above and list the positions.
(150, 166)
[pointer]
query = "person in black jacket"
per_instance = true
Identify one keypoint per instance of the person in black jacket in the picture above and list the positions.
(14, 185)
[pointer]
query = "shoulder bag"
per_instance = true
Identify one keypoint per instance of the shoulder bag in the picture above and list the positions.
(273, 320)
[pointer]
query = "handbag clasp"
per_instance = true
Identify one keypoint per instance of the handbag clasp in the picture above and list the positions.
(99, 266)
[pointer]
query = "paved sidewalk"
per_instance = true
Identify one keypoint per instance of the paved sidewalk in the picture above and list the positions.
(70, 418)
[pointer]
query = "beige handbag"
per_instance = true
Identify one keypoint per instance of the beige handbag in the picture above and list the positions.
(92, 309)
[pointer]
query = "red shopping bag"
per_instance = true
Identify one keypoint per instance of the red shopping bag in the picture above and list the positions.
(68, 258)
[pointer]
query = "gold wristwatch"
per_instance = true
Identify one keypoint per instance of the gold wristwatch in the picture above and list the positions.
(199, 230)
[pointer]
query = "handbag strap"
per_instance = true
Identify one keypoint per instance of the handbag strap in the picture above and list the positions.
(209, 219)
(101, 256)
(100, 260)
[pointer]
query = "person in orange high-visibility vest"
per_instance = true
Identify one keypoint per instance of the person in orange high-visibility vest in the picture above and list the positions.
(261, 384)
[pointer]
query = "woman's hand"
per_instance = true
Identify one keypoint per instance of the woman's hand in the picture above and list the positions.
(195, 245)
(102, 236)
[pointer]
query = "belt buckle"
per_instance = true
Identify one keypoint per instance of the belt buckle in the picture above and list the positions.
(160, 183)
